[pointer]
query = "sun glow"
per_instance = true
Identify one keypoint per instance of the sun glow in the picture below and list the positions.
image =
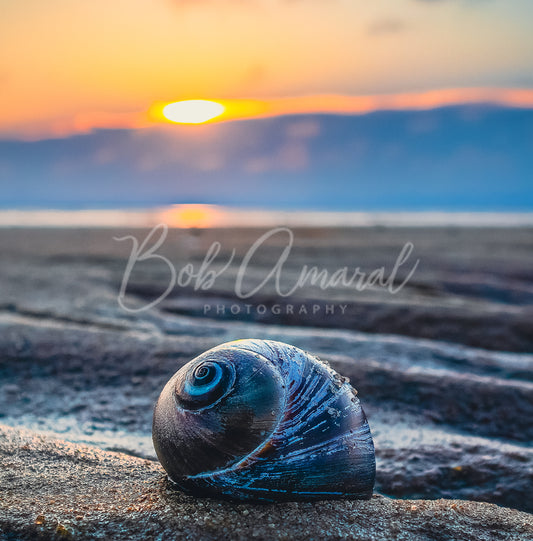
(190, 216)
(192, 111)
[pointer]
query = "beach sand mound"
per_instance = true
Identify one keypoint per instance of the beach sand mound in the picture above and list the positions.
(52, 489)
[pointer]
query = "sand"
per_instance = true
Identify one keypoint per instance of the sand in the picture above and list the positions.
(443, 368)
(55, 489)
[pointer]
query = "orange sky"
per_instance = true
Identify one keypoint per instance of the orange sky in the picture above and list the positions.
(68, 66)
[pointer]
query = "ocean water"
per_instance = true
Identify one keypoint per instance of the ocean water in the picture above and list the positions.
(206, 216)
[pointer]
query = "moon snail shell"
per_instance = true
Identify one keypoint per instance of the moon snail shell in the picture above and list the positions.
(265, 421)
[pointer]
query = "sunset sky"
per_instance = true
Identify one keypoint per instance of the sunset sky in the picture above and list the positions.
(68, 65)
(397, 104)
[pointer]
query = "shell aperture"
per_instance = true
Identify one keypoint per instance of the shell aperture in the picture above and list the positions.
(262, 420)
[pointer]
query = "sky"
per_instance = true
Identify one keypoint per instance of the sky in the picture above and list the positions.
(71, 69)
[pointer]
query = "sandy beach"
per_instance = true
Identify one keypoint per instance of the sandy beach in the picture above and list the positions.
(443, 368)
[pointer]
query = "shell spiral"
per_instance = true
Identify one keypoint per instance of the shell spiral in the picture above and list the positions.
(262, 420)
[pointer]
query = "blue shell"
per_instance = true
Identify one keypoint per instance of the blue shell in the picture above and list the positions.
(265, 421)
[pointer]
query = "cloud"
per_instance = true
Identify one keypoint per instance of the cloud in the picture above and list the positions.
(386, 26)
(291, 156)
(214, 3)
(254, 76)
(303, 129)
(473, 158)
(239, 3)
(237, 109)
(450, 1)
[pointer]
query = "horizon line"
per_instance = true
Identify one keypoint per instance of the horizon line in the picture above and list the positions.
(248, 109)
(203, 216)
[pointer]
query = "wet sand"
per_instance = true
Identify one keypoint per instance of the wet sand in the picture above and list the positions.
(443, 367)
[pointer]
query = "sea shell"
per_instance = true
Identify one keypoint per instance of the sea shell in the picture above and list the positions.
(262, 420)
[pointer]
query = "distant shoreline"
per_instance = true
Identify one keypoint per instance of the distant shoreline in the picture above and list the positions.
(212, 216)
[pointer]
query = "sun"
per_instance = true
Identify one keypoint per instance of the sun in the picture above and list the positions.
(192, 111)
